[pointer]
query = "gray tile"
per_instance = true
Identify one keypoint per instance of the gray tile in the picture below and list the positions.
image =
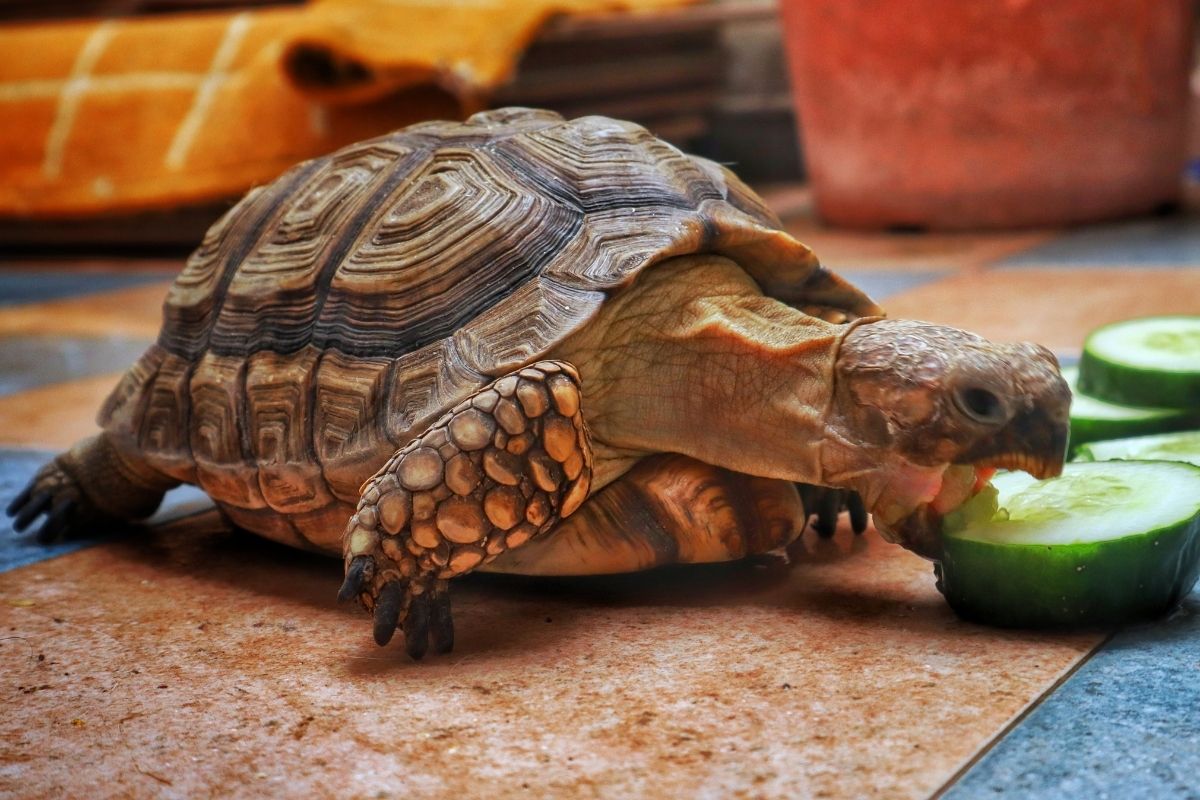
(1125, 726)
(882, 284)
(27, 362)
(1161, 242)
(1067, 359)
(19, 549)
(34, 286)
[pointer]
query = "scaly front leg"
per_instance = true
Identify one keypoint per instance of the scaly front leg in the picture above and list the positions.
(501, 468)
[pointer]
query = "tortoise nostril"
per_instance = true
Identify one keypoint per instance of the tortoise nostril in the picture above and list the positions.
(981, 405)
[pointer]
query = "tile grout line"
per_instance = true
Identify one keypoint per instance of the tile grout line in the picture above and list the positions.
(1018, 718)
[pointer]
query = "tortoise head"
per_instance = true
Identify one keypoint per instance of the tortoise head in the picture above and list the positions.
(926, 413)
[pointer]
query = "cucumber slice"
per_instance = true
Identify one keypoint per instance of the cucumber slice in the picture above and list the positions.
(1094, 420)
(1103, 543)
(1152, 361)
(1183, 446)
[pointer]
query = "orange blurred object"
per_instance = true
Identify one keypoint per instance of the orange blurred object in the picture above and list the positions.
(973, 113)
(156, 112)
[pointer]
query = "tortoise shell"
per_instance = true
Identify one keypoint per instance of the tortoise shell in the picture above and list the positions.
(330, 316)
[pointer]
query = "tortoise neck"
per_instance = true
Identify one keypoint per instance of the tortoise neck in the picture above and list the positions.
(694, 359)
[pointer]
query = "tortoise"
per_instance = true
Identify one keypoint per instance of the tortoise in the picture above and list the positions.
(520, 343)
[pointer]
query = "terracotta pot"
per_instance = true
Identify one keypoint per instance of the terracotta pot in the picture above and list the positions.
(990, 113)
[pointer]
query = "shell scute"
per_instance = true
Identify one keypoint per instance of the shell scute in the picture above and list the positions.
(350, 441)
(218, 427)
(276, 290)
(407, 267)
(162, 421)
(279, 404)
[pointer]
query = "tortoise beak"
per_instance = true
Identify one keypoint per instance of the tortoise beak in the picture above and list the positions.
(1034, 441)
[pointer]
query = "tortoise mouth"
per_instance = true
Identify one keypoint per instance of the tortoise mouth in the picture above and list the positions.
(915, 521)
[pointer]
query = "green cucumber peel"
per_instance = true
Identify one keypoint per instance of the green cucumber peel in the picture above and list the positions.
(1095, 420)
(1149, 361)
(1103, 543)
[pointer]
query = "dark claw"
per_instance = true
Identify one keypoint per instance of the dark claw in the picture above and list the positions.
(808, 497)
(416, 627)
(36, 505)
(858, 512)
(356, 578)
(387, 612)
(441, 623)
(56, 523)
(19, 500)
(830, 505)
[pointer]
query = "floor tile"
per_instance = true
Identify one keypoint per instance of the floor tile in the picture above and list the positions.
(1124, 726)
(882, 284)
(54, 417)
(1056, 307)
(19, 549)
(1165, 242)
(27, 362)
(844, 249)
(19, 286)
(134, 312)
(194, 662)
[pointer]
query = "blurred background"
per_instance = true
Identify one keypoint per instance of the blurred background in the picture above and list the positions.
(130, 125)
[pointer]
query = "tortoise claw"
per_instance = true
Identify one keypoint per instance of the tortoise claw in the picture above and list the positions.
(416, 627)
(56, 494)
(829, 506)
(441, 623)
(808, 496)
(858, 512)
(424, 618)
(387, 612)
(358, 575)
(20, 500)
(57, 521)
(30, 510)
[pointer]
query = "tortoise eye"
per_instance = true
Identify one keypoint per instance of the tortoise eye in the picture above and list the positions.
(981, 405)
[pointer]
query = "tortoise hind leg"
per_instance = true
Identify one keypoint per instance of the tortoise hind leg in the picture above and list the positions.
(495, 472)
(91, 485)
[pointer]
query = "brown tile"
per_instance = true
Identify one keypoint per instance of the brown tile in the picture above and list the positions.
(198, 663)
(54, 416)
(135, 312)
(842, 248)
(1056, 307)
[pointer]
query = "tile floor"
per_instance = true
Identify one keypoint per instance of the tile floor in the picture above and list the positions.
(184, 659)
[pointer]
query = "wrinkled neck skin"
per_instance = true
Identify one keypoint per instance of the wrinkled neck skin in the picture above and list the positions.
(695, 360)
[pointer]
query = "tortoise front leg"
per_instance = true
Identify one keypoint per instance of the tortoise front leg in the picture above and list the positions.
(501, 468)
(827, 504)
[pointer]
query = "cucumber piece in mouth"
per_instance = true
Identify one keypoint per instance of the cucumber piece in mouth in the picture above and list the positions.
(1182, 446)
(1151, 361)
(1095, 420)
(1101, 544)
